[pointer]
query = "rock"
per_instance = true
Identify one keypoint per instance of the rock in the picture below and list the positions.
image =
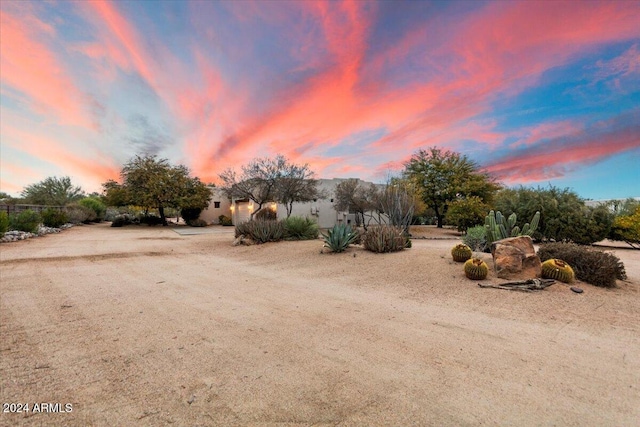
(242, 240)
(515, 258)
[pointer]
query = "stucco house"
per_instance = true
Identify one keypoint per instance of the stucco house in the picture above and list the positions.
(321, 210)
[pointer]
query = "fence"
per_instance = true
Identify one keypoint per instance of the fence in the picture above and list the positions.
(11, 209)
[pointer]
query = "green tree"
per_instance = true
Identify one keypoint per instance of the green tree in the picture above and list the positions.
(444, 176)
(627, 228)
(563, 214)
(52, 191)
(154, 183)
(466, 212)
(115, 194)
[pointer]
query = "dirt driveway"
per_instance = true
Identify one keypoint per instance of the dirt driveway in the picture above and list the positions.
(143, 326)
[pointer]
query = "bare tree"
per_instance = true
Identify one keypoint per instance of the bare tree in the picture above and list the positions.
(353, 196)
(266, 180)
(296, 184)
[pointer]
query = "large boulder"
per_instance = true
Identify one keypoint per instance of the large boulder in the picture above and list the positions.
(515, 258)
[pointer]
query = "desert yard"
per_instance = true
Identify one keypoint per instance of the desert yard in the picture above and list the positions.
(144, 326)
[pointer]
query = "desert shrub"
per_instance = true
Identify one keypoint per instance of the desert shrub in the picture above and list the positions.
(338, 238)
(476, 238)
(627, 229)
(590, 265)
(299, 228)
(111, 213)
(124, 219)
(54, 218)
(78, 213)
(190, 214)
(4, 222)
(266, 214)
(197, 223)
(564, 216)
(225, 220)
(96, 206)
(384, 238)
(150, 220)
(467, 212)
(25, 221)
(261, 231)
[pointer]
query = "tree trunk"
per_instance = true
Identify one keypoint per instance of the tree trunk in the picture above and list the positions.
(440, 220)
(162, 217)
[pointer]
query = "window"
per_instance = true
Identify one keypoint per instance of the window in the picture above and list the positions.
(216, 205)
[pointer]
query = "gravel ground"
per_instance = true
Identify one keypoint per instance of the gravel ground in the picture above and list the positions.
(143, 326)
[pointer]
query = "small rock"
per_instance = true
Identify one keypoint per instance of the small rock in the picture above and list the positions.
(576, 290)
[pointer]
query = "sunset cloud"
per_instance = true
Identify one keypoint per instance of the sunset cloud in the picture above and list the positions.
(353, 88)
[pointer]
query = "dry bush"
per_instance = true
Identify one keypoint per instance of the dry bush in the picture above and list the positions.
(590, 265)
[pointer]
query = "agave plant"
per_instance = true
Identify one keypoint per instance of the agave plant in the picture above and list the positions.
(339, 237)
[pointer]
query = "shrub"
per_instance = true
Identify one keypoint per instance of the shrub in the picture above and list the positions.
(96, 206)
(111, 214)
(25, 221)
(190, 214)
(54, 218)
(564, 216)
(124, 219)
(266, 214)
(4, 222)
(590, 265)
(225, 220)
(298, 228)
(340, 237)
(261, 231)
(384, 238)
(198, 223)
(78, 213)
(627, 229)
(476, 238)
(467, 212)
(150, 220)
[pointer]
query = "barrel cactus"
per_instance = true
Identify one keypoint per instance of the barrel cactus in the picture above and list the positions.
(557, 269)
(476, 269)
(461, 253)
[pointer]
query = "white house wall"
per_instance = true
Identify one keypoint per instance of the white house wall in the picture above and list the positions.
(211, 214)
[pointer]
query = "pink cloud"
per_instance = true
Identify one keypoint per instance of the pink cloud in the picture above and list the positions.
(96, 168)
(555, 159)
(29, 67)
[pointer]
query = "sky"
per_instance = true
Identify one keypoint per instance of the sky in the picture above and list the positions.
(537, 93)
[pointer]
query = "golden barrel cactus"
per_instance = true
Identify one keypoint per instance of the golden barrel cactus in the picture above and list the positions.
(476, 269)
(557, 269)
(461, 253)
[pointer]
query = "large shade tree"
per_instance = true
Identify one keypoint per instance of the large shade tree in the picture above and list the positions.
(52, 191)
(265, 180)
(154, 183)
(445, 176)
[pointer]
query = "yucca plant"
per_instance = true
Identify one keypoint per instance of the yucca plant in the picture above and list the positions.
(261, 231)
(339, 237)
(299, 228)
